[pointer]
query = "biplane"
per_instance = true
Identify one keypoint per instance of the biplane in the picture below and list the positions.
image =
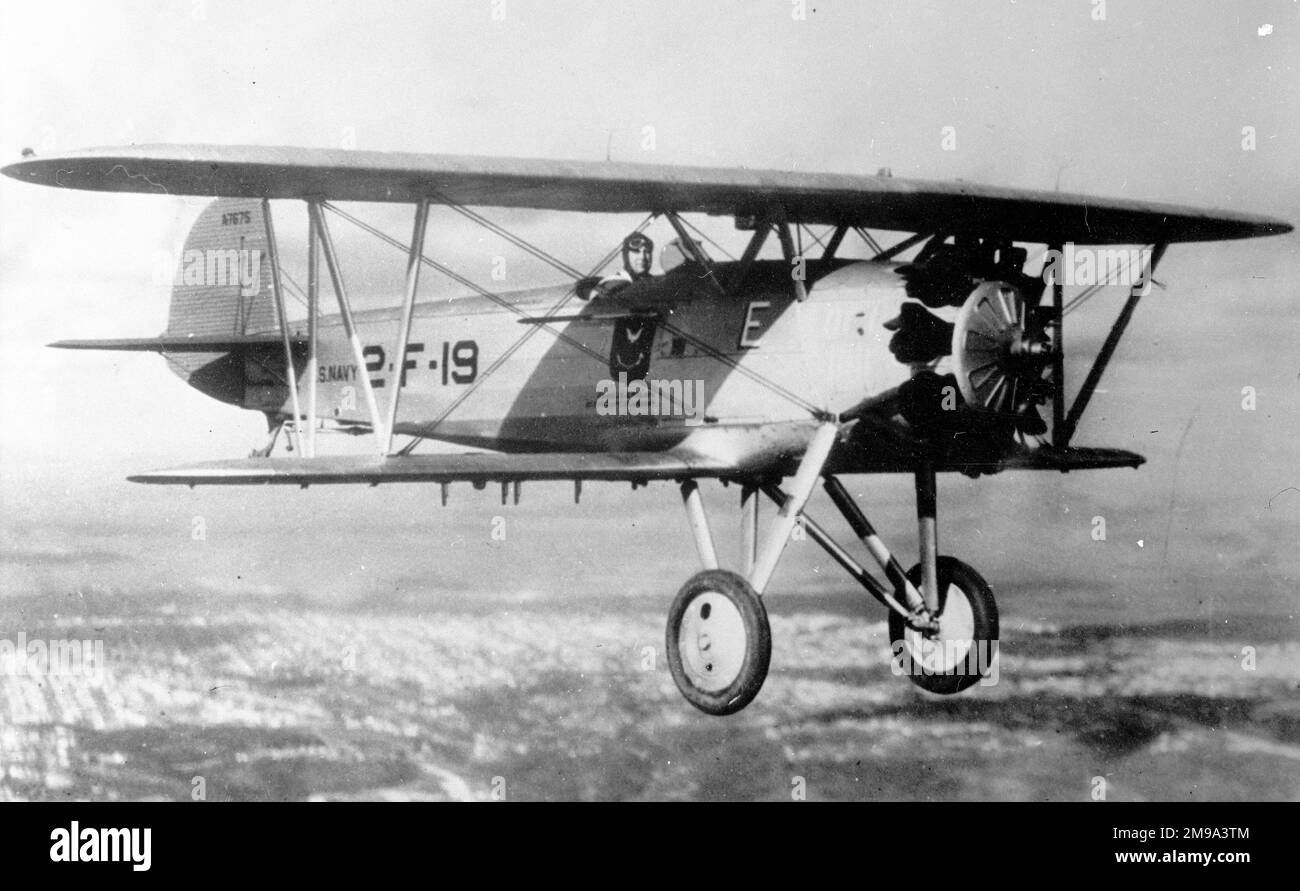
(939, 352)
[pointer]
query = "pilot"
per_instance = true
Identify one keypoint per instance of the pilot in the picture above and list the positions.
(638, 254)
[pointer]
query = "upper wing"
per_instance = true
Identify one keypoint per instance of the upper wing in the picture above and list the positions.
(879, 202)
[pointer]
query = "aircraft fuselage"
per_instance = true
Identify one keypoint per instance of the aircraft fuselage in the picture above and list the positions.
(662, 360)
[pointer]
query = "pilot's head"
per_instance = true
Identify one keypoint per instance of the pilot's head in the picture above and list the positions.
(638, 253)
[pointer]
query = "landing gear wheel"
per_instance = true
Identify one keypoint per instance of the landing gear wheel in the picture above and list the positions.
(719, 642)
(967, 641)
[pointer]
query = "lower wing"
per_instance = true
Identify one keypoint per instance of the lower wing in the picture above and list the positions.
(636, 467)
(468, 467)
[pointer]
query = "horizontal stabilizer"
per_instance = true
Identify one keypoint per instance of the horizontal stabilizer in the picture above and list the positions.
(210, 343)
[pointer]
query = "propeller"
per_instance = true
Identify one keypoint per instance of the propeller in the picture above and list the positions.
(1000, 352)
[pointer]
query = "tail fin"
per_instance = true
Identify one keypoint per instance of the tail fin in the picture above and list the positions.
(222, 288)
(223, 280)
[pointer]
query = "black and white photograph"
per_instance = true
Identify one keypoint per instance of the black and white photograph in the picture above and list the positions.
(781, 400)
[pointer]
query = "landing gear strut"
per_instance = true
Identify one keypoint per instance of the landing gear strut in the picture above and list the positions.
(718, 642)
(943, 621)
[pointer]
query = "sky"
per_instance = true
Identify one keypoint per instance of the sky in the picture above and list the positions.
(1144, 100)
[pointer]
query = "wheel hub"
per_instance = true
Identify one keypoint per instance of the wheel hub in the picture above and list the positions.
(712, 641)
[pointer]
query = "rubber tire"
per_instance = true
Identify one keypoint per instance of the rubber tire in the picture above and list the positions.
(758, 642)
(952, 571)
